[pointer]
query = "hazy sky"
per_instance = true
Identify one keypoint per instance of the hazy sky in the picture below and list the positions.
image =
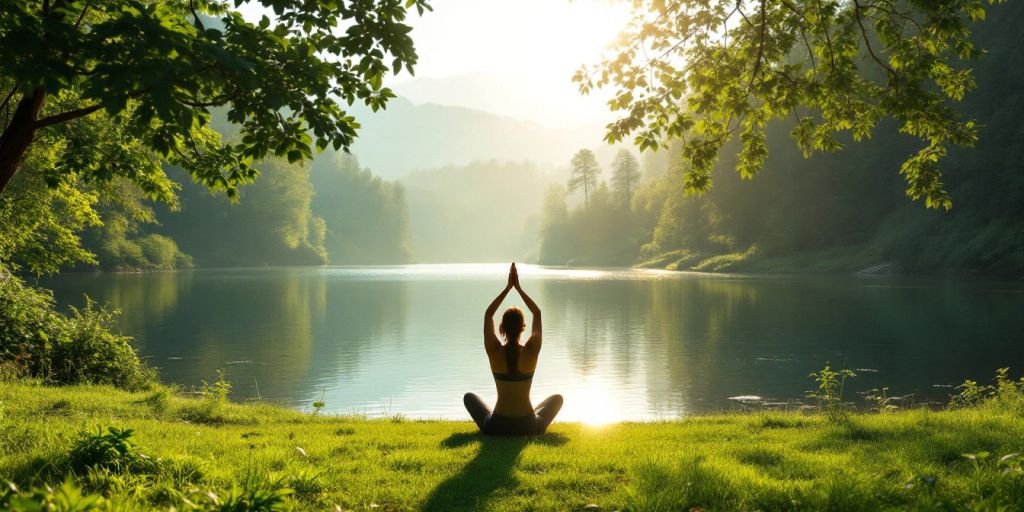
(534, 46)
(549, 38)
(523, 52)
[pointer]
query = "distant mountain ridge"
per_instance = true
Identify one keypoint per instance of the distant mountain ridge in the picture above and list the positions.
(554, 104)
(407, 137)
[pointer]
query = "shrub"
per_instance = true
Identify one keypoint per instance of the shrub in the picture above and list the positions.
(37, 341)
(27, 325)
(1005, 394)
(162, 252)
(88, 352)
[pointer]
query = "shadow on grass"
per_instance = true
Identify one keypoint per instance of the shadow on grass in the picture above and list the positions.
(487, 473)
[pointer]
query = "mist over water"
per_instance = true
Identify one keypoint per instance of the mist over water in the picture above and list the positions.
(619, 344)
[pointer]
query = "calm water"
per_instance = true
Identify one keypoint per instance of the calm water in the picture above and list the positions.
(620, 344)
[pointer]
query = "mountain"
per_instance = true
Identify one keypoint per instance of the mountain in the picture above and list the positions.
(485, 211)
(551, 103)
(407, 137)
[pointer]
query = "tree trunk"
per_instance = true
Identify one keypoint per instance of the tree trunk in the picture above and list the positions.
(18, 135)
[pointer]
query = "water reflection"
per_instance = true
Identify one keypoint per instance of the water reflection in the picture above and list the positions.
(618, 344)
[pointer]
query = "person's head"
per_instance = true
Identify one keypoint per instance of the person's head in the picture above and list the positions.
(512, 324)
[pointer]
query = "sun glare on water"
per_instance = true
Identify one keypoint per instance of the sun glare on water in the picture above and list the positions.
(594, 403)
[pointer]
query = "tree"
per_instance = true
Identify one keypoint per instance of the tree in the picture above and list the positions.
(706, 71)
(272, 225)
(157, 68)
(40, 225)
(557, 239)
(366, 219)
(584, 173)
(625, 175)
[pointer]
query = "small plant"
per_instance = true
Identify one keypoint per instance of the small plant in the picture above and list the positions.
(256, 494)
(880, 401)
(158, 400)
(319, 404)
(1005, 393)
(209, 409)
(971, 394)
(110, 449)
(66, 498)
(218, 391)
(829, 394)
(111, 482)
(1009, 464)
(306, 483)
(1009, 393)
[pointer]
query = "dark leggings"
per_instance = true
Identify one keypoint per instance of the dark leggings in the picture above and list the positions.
(534, 424)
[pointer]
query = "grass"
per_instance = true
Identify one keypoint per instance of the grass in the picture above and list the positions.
(837, 260)
(766, 461)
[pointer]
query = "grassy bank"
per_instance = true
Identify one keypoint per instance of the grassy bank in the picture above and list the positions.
(766, 461)
(838, 260)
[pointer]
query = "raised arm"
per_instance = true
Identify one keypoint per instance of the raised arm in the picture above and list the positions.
(491, 342)
(536, 335)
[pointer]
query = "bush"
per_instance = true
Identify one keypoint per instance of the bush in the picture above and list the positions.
(162, 252)
(1005, 395)
(37, 341)
(88, 352)
(27, 324)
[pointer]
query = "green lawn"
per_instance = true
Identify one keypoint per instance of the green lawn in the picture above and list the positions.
(768, 461)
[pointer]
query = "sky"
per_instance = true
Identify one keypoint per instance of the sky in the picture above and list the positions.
(510, 57)
(529, 47)
(547, 38)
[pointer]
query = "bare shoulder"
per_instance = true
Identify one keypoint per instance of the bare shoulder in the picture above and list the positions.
(533, 344)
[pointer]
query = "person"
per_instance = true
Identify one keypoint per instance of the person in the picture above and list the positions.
(513, 365)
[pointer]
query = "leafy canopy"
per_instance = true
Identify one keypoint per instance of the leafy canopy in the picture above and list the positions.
(40, 224)
(709, 70)
(158, 67)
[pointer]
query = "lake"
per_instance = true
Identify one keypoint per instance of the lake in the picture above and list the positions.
(618, 344)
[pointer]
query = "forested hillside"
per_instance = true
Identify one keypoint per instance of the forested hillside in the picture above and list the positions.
(365, 218)
(837, 212)
(431, 136)
(332, 211)
(483, 211)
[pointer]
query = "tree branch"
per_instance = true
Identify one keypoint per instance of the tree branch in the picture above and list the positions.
(864, 34)
(199, 23)
(828, 39)
(760, 45)
(79, 112)
(67, 116)
(9, 96)
(81, 15)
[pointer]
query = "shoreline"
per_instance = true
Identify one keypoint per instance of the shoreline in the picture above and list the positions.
(754, 270)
